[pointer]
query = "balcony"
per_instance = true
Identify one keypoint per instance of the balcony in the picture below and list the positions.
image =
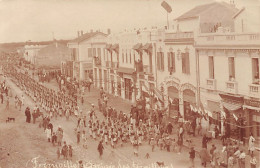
(211, 84)
(231, 87)
(179, 37)
(254, 90)
(225, 39)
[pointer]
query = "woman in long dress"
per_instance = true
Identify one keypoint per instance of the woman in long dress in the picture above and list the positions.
(251, 144)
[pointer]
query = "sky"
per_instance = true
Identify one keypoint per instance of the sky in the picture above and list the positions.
(41, 20)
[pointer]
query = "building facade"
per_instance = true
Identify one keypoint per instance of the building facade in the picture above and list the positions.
(82, 53)
(229, 79)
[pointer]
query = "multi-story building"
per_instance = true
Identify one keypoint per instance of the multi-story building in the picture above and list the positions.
(177, 74)
(229, 85)
(31, 52)
(127, 69)
(52, 55)
(83, 50)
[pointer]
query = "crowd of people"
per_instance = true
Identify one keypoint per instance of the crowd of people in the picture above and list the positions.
(115, 128)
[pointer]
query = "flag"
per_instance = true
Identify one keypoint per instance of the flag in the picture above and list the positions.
(210, 113)
(191, 108)
(166, 6)
(223, 114)
(235, 117)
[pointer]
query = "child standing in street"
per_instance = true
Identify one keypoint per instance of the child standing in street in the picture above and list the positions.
(58, 153)
(192, 157)
(78, 137)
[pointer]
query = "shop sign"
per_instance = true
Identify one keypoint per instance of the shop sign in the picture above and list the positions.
(252, 103)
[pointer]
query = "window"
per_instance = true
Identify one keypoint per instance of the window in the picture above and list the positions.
(185, 63)
(94, 52)
(160, 61)
(231, 65)
(171, 62)
(74, 54)
(99, 53)
(123, 57)
(211, 67)
(90, 52)
(126, 59)
(255, 70)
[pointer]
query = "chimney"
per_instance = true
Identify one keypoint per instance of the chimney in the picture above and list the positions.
(81, 32)
(108, 31)
(78, 33)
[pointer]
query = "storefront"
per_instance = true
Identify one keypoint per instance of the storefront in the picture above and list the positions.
(105, 80)
(112, 84)
(188, 99)
(252, 109)
(127, 83)
(235, 116)
(95, 76)
(215, 115)
(119, 86)
(128, 89)
(173, 98)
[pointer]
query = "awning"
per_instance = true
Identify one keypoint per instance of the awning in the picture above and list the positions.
(231, 102)
(138, 46)
(147, 47)
(173, 93)
(251, 107)
(158, 94)
(231, 107)
(126, 70)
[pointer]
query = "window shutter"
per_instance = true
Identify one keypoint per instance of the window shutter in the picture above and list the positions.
(173, 62)
(211, 76)
(188, 63)
(162, 61)
(233, 67)
(183, 63)
(158, 60)
(169, 60)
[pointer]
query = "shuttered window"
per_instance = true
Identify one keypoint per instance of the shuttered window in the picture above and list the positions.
(231, 65)
(185, 63)
(171, 61)
(255, 70)
(211, 67)
(160, 61)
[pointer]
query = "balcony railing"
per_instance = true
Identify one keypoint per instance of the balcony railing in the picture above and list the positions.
(179, 35)
(211, 84)
(254, 90)
(228, 38)
(231, 87)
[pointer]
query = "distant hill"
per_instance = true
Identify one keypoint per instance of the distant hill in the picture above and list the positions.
(12, 47)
